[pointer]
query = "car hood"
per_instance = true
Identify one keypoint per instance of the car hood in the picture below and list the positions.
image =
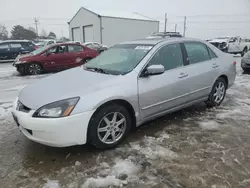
(23, 56)
(74, 82)
(218, 40)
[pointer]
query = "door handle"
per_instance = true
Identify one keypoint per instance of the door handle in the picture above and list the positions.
(183, 75)
(215, 65)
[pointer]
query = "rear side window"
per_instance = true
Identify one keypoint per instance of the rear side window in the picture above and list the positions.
(27, 44)
(4, 46)
(169, 56)
(197, 52)
(50, 42)
(15, 45)
(75, 48)
(211, 53)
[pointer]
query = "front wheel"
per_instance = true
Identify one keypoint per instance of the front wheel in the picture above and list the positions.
(34, 69)
(218, 93)
(109, 126)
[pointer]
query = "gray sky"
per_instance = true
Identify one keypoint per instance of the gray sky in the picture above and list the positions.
(205, 18)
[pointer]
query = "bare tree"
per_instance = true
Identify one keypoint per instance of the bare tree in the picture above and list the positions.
(3, 33)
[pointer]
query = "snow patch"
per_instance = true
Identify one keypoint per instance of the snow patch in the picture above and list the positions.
(102, 182)
(52, 184)
(209, 125)
(125, 167)
(152, 150)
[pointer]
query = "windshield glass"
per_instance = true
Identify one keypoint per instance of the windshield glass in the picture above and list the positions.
(39, 50)
(119, 59)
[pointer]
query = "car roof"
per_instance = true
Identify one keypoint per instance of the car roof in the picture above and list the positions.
(154, 41)
(15, 41)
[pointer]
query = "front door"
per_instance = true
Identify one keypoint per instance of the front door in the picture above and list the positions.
(203, 69)
(163, 92)
(56, 58)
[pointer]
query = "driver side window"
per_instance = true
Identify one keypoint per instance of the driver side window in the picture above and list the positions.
(170, 56)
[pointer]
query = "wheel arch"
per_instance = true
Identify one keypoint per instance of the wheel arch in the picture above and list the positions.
(225, 78)
(121, 102)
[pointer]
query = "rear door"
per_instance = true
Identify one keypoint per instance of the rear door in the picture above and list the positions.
(163, 92)
(15, 49)
(76, 54)
(203, 69)
(4, 51)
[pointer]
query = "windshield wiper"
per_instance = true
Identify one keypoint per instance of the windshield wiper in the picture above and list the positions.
(95, 69)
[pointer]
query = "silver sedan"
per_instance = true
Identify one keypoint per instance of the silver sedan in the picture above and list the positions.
(125, 86)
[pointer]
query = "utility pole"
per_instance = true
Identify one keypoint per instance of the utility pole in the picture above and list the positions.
(166, 20)
(175, 28)
(36, 23)
(185, 26)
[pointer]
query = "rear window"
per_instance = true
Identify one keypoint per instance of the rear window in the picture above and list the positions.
(4, 46)
(15, 45)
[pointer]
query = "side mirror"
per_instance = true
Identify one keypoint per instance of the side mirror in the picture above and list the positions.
(154, 70)
(48, 53)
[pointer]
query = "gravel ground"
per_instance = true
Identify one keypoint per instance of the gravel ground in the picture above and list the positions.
(192, 148)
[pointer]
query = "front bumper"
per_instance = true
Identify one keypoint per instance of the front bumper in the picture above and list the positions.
(56, 132)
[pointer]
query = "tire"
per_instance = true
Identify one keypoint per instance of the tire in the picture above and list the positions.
(34, 69)
(21, 69)
(220, 94)
(244, 52)
(103, 133)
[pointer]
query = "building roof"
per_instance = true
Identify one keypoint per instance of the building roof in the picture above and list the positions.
(118, 14)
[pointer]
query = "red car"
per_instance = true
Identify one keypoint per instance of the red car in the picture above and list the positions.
(53, 58)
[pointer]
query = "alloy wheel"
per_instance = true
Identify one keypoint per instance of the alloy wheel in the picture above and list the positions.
(34, 69)
(111, 128)
(219, 92)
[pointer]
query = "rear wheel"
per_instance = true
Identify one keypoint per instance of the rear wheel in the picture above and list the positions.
(34, 69)
(109, 126)
(218, 93)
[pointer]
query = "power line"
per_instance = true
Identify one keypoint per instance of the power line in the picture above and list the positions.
(36, 23)
(185, 26)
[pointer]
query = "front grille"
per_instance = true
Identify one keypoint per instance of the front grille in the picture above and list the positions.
(21, 107)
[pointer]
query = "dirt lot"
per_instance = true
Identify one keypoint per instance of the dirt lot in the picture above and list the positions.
(193, 148)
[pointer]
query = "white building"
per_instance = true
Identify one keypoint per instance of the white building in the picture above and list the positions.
(110, 28)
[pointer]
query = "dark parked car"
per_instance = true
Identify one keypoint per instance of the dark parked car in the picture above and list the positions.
(53, 58)
(96, 46)
(10, 49)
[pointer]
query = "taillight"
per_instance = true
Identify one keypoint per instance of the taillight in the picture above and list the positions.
(35, 47)
(235, 62)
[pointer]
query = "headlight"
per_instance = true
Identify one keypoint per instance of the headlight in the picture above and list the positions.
(57, 109)
(19, 62)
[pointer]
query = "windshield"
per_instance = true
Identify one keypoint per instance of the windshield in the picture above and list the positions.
(119, 59)
(39, 50)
